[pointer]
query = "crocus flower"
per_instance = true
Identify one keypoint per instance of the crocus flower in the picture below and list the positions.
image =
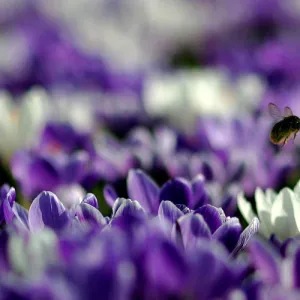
(47, 211)
(193, 193)
(141, 45)
(63, 136)
(277, 212)
(7, 197)
(21, 123)
(209, 222)
(141, 187)
(184, 96)
(51, 242)
(48, 171)
(273, 271)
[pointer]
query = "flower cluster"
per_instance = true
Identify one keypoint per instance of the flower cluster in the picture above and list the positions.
(135, 152)
(88, 255)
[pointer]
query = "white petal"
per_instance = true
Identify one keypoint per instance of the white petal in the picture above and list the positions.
(245, 208)
(296, 204)
(31, 255)
(270, 196)
(263, 210)
(297, 188)
(70, 194)
(32, 115)
(282, 215)
(7, 125)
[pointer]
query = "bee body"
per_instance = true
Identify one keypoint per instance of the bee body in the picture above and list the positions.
(284, 129)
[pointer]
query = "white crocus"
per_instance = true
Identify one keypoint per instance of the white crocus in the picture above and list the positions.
(77, 109)
(278, 213)
(70, 194)
(153, 28)
(21, 121)
(30, 254)
(184, 95)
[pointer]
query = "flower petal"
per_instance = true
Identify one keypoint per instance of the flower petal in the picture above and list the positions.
(71, 195)
(76, 167)
(7, 198)
(90, 214)
(193, 227)
(165, 266)
(142, 188)
(270, 196)
(245, 208)
(209, 262)
(265, 261)
(284, 214)
(7, 211)
(200, 196)
(264, 207)
(21, 214)
(110, 195)
(169, 211)
(31, 255)
(91, 200)
(211, 216)
(246, 235)
(177, 190)
(126, 207)
(297, 188)
(43, 174)
(47, 211)
(229, 233)
(294, 273)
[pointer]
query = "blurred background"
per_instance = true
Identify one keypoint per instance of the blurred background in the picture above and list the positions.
(92, 88)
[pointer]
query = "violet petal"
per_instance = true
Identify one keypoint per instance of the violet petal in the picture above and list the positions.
(21, 214)
(7, 211)
(211, 215)
(47, 210)
(229, 233)
(91, 200)
(296, 269)
(176, 190)
(200, 196)
(193, 227)
(265, 261)
(169, 211)
(142, 188)
(110, 195)
(165, 267)
(123, 207)
(88, 213)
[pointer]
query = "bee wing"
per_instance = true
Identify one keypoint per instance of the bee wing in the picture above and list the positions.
(274, 111)
(287, 112)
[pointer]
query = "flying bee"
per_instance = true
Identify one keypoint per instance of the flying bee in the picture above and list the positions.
(287, 125)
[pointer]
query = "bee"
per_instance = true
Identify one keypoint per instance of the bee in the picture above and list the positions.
(287, 125)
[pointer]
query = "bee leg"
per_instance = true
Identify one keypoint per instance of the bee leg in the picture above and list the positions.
(295, 134)
(284, 142)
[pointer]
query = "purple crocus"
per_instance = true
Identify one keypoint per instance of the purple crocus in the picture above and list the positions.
(47, 211)
(7, 197)
(207, 223)
(37, 171)
(274, 271)
(89, 254)
(65, 156)
(186, 226)
(192, 194)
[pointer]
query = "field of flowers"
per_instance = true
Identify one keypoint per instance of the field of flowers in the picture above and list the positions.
(135, 151)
